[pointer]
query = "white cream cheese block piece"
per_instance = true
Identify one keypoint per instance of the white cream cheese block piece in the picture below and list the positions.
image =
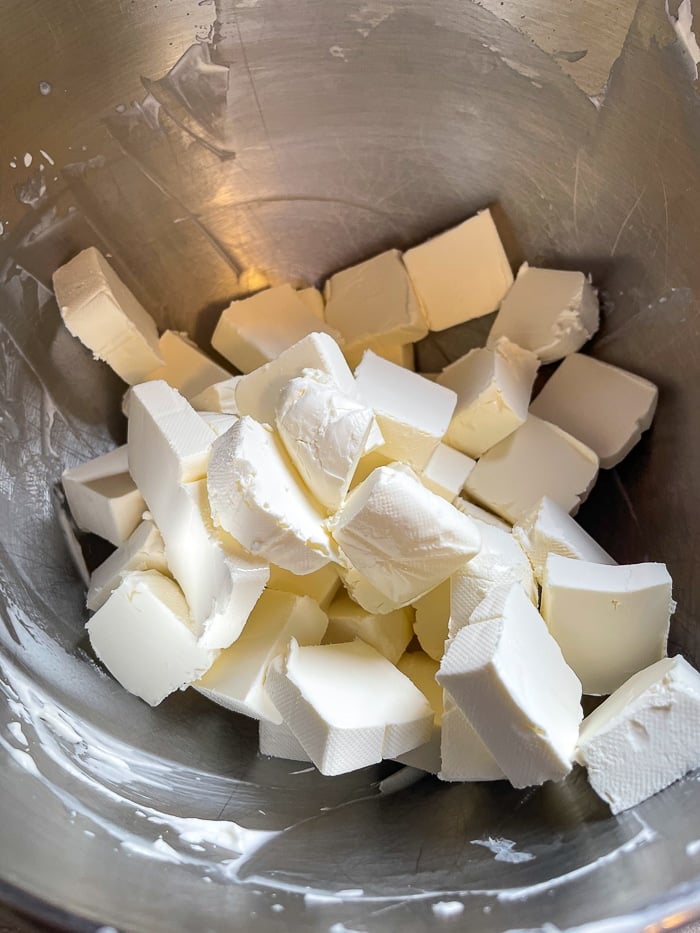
(144, 550)
(253, 331)
(548, 529)
(610, 621)
(347, 705)
(389, 633)
(645, 736)
(581, 389)
(400, 536)
(446, 472)
(374, 301)
(321, 585)
(186, 368)
(500, 562)
(325, 432)
(103, 497)
(98, 309)
(509, 678)
(536, 460)
(365, 594)
(258, 392)
(550, 312)
(218, 421)
(313, 299)
(493, 387)
(462, 274)
(219, 397)
(368, 464)
(483, 515)
(236, 678)
(432, 619)
(421, 671)
(144, 636)
(402, 354)
(276, 740)
(463, 755)
(413, 413)
(257, 497)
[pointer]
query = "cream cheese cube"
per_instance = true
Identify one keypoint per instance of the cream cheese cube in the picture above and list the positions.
(254, 331)
(365, 594)
(276, 740)
(493, 389)
(144, 636)
(218, 421)
(581, 389)
(536, 460)
(609, 621)
(256, 496)
(374, 301)
(102, 496)
(325, 432)
(347, 705)
(509, 678)
(550, 312)
(413, 413)
(143, 550)
(447, 471)
(461, 274)
(313, 299)
(432, 619)
(389, 633)
(483, 515)
(500, 562)
(402, 354)
(98, 309)
(321, 585)
(548, 529)
(219, 397)
(258, 392)
(421, 671)
(645, 736)
(236, 678)
(368, 463)
(400, 536)
(186, 368)
(463, 755)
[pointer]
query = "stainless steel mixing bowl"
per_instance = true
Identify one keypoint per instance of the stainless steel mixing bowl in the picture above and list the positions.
(209, 149)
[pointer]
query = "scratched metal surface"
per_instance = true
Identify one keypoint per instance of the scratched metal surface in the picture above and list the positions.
(211, 148)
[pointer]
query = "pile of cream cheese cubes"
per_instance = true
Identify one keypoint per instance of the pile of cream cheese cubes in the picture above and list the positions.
(375, 563)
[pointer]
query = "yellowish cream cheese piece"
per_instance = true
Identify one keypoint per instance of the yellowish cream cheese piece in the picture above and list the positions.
(254, 331)
(581, 389)
(548, 529)
(463, 755)
(475, 511)
(236, 678)
(548, 311)
(144, 550)
(258, 392)
(98, 309)
(402, 354)
(432, 620)
(347, 705)
(389, 633)
(421, 671)
(413, 413)
(258, 498)
(500, 562)
(645, 736)
(313, 299)
(447, 471)
(536, 460)
(144, 636)
(365, 594)
(610, 621)
(103, 498)
(461, 274)
(186, 368)
(374, 301)
(321, 585)
(493, 389)
(509, 678)
(400, 536)
(219, 397)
